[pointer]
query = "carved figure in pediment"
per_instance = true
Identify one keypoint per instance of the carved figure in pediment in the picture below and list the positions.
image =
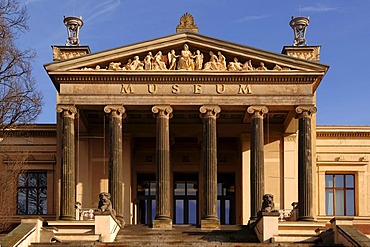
(198, 60)
(158, 64)
(277, 67)
(248, 66)
(115, 66)
(262, 66)
(235, 65)
(221, 61)
(212, 64)
(128, 64)
(136, 64)
(172, 59)
(186, 61)
(148, 61)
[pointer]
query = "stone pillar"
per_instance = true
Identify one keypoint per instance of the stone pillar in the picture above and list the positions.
(163, 197)
(68, 162)
(116, 114)
(257, 158)
(305, 183)
(209, 114)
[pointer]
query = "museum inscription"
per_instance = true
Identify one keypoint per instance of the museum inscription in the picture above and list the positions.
(217, 89)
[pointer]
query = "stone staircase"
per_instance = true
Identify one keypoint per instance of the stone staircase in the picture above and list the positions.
(186, 235)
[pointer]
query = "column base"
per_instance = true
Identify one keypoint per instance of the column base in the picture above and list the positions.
(67, 217)
(210, 223)
(162, 223)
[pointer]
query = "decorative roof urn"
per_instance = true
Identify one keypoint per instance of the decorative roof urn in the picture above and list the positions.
(299, 25)
(73, 25)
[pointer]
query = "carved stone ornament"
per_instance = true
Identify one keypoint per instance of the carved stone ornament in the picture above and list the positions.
(305, 110)
(186, 59)
(162, 111)
(66, 54)
(268, 204)
(187, 24)
(67, 110)
(257, 111)
(210, 111)
(115, 110)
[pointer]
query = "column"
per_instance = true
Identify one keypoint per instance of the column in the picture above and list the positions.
(116, 114)
(163, 113)
(68, 162)
(305, 186)
(257, 158)
(209, 114)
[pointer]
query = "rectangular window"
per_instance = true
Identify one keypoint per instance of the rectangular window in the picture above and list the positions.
(340, 194)
(31, 193)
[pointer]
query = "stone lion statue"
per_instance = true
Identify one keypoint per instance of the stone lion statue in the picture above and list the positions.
(268, 204)
(105, 204)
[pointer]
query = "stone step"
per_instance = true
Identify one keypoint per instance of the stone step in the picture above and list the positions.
(89, 237)
(295, 238)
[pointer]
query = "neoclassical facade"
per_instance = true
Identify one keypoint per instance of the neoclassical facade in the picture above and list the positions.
(189, 129)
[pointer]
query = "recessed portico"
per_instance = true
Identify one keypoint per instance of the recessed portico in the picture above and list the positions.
(210, 123)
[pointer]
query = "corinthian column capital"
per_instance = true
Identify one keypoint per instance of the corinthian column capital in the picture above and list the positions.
(115, 110)
(305, 110)
(67, 110)
(162, 111)
(257, 110)
(210, 111)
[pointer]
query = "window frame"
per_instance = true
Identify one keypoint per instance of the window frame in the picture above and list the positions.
(38, 187)
(344, 188)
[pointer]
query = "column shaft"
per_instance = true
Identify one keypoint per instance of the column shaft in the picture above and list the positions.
(163, 168)
(305, 186)
(116, 113)
(209, 163)
(68, 176)
(257, 158)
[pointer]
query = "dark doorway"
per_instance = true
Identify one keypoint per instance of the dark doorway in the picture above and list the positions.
(185, 198)
(226, 198)
(146, 189)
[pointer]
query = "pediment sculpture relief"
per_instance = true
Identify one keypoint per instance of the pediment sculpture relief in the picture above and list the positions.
(187, 60)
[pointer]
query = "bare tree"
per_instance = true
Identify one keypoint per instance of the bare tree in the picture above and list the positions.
(20, 101)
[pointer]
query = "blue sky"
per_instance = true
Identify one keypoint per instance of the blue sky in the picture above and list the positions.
(341, 27)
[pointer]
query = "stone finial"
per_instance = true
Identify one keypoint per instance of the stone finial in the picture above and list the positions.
(73, 25)
(187, 24)
(299, 25)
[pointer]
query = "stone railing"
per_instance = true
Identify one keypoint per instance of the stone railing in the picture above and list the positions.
(27, 232)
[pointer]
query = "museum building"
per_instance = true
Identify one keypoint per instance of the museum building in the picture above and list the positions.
(190, 129)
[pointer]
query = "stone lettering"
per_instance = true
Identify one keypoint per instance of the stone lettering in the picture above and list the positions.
(127, 89)
(220, 88)
(152, 88)
(197, 89)
(244, 89)
(175, 89)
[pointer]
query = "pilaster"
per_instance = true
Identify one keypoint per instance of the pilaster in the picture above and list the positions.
(209, 114)
(116, 114)
(257, 158)
(68, 162)
(305, 184)
(163, 167)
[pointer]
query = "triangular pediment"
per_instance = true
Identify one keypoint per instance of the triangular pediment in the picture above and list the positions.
(203, 54)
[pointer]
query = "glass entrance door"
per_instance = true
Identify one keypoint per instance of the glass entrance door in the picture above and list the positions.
(185, 198)
(226, 198)
(146, 189)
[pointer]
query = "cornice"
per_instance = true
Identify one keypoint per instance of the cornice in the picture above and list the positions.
(343, 134)
(343, 131)
(191, 78)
